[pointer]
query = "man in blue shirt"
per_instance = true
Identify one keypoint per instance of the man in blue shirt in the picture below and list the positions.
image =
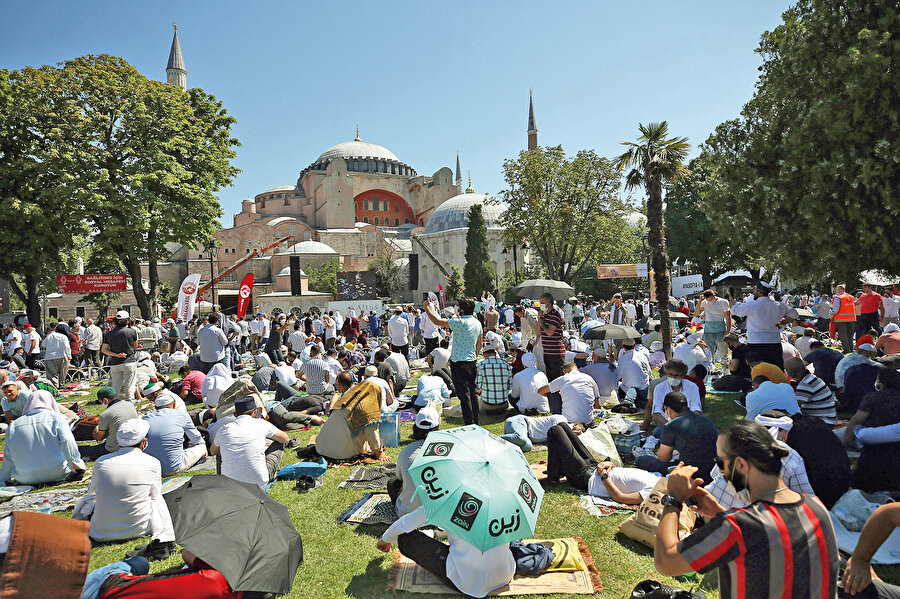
(165, 439)
(467, 340)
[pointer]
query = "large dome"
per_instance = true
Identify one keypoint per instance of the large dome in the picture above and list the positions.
(454, 213)
(309, 247)
(357, 149)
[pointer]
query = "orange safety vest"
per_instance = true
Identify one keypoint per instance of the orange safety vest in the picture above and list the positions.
(847, 311)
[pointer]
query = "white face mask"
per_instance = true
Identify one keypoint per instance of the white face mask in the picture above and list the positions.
(673, 382)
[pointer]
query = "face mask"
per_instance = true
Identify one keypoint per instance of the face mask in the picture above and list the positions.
(673, 382)
(879, 387)
(739, 481)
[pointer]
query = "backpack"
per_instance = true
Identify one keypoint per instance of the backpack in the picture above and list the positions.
(83, 428)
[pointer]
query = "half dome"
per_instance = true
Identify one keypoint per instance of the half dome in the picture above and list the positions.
(454, 213)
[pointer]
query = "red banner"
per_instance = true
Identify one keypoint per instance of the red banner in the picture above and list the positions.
(244, 295)
(443, 301)
(91, 283)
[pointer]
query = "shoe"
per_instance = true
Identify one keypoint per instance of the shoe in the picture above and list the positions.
(624, 408)
(155, 550)
(138, 550)
(306, 483)
(651, 589)
(292, 444)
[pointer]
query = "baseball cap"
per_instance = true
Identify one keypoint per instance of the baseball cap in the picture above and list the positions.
(428, 418)
(122, 315)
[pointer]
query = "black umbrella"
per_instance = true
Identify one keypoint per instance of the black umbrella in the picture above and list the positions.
(238, 530)
(535, 288)
(612, 331)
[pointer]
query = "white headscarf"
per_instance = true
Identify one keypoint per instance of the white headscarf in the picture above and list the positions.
(40, 400)
(216, 382)
(351, 313)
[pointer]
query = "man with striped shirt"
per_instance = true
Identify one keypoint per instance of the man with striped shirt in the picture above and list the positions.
(781, 545)
(550, 326)
(813, 395)
(316, 373)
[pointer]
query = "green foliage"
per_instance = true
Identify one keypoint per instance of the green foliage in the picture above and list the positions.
(168, 297)
(324, 276)
(388, 276)
(479, 271)
(455, 285)
(652, 163)
(811, 168)
(100, 262)
(569, 209)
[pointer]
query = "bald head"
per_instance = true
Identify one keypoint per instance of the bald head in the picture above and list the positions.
(795, 368)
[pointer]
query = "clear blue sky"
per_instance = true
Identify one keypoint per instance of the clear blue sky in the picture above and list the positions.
(423, 79)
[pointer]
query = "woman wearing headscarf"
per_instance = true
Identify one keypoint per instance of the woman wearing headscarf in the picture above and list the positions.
(217, 380)
(57, 354)
(40, 447)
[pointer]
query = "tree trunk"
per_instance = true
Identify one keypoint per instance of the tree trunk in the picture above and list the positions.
(657, 240)
(33, 302)
(707, 279)
(141, 297)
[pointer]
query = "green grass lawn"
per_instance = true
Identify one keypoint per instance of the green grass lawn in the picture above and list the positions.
(341, 560)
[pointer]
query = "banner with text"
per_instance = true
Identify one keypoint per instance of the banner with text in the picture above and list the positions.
(186, 295)
(91, 283)
(687, 285)
(244, 295)
(621, 271)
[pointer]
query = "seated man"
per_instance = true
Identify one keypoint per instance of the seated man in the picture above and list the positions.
(630, 486)
(389, 402)
(493, 379)
(431, 389)
(863, 355)
(579, 394)
(767, 395)
(526, 386)
(251, 447)
(439, 363)
(154, 391)
(692, 435)
(190, 388)
(889, 341)
(738, 377)
(525, 431)
(401, 488)
(813, 395)
(166, 440)
(859, 381)
(40, 447)
(770, 371)
(878, 467)
(633, 370)
(117, 411)
(803, 343)
(400, 366)
(15, 396)
(692, 352)
(316, 373)
(604, 374)
(568, 457)
(365, 402)
(126, 488)
(824, 361)
(675, 371)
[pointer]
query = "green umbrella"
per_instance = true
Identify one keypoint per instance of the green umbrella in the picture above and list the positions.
(477, 486)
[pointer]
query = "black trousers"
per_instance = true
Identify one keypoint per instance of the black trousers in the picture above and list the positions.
(431, 345)
(553, 365)
(401, 349)
(394, 488)
(567, 456)
(766, 352)
(429, 553)
(463, 374)
(866, 321)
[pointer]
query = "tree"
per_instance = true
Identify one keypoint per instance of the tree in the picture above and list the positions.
(569, 210)
(654, 161)
(455, 286)
(324, 276)
(100, 262)
(388, 276)
(168, 297)
(39, 197)
(811, 166)
(154, 157)
(479, 271)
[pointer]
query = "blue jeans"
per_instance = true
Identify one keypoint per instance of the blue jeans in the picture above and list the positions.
(516, 431)
(651, 463)
(714, 336)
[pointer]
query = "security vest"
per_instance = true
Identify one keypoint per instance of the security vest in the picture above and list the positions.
(847, 310)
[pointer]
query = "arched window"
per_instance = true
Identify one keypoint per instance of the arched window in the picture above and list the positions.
(424, 273)
(446, 246)
(366, 204)
(406, 222)
(396, 222)
(366, 219)
(396, 207)
(376, 220)
(292, 230)
(385, 206)
(307, 235)
(507, 266)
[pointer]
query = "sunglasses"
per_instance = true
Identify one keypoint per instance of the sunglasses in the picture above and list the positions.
(720, 462)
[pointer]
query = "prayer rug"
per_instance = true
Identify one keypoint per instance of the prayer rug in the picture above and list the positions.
(373, 508)
(208, 463)
(42, 501)
(406, 575)
(7, 492)
(376, 477)
(174, 483)
(598, 506)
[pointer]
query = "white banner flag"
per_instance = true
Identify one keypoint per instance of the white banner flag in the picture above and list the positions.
(186, 295)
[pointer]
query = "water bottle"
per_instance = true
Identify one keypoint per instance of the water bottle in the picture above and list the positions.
(45, 507)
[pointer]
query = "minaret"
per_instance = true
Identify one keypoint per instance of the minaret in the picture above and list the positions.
(532, 126)
(458, 172)
(176, 74)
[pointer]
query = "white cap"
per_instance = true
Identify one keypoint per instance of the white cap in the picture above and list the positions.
(529, 360)
(156, 320)
(122, 315)
(428, 418)
(693, 338)
(163, 399)
(656, 346)
(132, 431)
(891, 328)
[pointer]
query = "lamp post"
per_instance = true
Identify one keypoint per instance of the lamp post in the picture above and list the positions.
(515, 259)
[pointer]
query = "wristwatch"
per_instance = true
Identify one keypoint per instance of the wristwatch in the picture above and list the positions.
(672, 501)
(604, 476)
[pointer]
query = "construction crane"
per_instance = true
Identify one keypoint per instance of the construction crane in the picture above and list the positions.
(243, 260)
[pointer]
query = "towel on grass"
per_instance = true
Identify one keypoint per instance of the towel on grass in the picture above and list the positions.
(373, 508)
(375, 477)
(599, 506)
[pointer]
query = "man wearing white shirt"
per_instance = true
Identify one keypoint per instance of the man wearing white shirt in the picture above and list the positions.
(716, 312)
(509, 316)
(529, 323)
(14, 340)
(93, 340)
(251, 447)
(330, 329)
(31, 341)
(891, 302)
(297, 339)
(526, 386)
(633, 369)
(630, 312)
(430, 333)
(398, 331)
(691, 353)
(763, 315)
(578, 391)
(255, 328)
(603, 373)
(675, 371)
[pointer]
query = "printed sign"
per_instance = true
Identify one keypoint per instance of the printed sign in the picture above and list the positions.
(355, 285)
(466, 511)
(186, 294)
(244, 295)
(621, 271)
(687, 285)
(91, 283)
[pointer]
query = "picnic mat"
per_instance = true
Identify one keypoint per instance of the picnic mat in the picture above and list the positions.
(375, 477)
(373, 508)
(57, 501)
(406, 575)
(208, 463)
(598, 506)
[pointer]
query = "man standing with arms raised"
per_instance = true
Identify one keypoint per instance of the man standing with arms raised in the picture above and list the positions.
(763, 316)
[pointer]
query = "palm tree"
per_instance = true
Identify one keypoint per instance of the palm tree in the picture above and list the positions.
(654, 161)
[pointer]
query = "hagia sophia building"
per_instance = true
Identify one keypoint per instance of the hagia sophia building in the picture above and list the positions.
(357, 201)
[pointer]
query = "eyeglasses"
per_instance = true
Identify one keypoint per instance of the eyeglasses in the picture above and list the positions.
(720, 461)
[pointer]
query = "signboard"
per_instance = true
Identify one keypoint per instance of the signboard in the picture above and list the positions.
(359, 306)
(91, 283)
(186, 294)
(244, 295)
(687, 285)
(355, 285)
(621, 271)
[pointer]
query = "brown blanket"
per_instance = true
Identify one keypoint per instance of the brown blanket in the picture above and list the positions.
(48, 556)
(364, 402)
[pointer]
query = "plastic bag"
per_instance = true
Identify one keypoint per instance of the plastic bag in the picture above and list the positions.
(619, 425)
(642, 525)
(599, 442)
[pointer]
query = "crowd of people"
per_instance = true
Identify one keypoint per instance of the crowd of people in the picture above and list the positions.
(231, 389)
